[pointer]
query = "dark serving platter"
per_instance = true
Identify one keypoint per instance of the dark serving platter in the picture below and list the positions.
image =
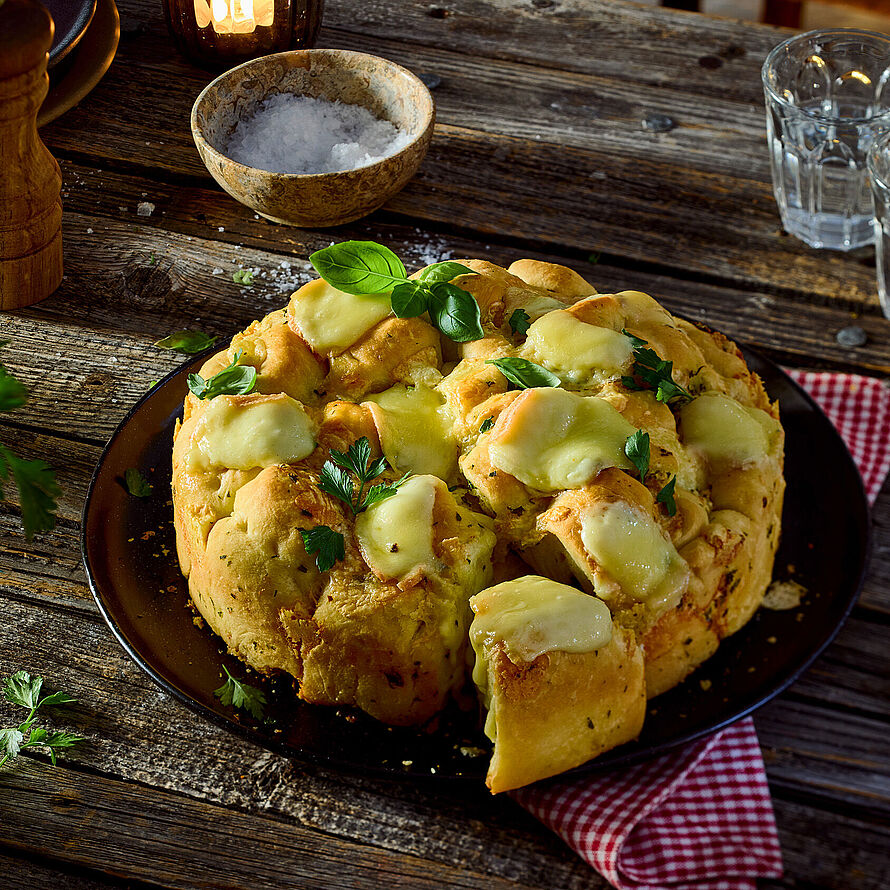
(130, 556)
(71, 18)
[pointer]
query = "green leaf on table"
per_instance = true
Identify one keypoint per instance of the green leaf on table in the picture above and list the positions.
(235, 380)
(408, 300)
(523, 373)
(443, 272)
(666, 496)
(241, 695)
(186, 342)
(359, 267)
(637, 450)
(137, 485)
(38, 490)
(12, 392)
(242, 276)
(519, 322)
(11, 742)
(57, 698)
(455, 312)
(23, 689)
(326, 543)
(57, 740)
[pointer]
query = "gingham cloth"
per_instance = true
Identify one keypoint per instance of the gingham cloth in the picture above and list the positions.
(701, 818)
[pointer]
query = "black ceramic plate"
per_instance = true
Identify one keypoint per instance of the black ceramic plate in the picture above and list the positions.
(130, 557)
(71, 18)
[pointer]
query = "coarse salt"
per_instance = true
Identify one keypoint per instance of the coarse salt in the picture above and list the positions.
(300, 134)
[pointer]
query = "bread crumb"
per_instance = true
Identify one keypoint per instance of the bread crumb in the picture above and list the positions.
(783, 595)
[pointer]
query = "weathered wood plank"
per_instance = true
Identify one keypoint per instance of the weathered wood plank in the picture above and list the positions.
(140, 832)
(44, 874)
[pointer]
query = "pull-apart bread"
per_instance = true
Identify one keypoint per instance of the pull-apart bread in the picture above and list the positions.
(530, 549)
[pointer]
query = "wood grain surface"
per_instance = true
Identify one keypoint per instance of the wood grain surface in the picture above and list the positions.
(544, 148)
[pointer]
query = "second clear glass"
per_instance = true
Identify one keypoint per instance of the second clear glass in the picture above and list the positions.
(879, 176)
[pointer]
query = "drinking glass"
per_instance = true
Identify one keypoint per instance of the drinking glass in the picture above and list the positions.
(879, 175)
(826, 101)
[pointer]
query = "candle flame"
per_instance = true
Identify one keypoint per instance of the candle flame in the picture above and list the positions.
(234, 16)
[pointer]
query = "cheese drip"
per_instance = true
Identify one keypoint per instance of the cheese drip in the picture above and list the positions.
(261, 433)
(551, 439)
(415, 431)
(576, 351)
(631, 548)
(330, 320)
(727, 432)
(531, 616)
(396, 535)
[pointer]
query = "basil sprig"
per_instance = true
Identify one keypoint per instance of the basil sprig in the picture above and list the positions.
(523, 373)
(365, 267)
(235, 380)
(186, 342)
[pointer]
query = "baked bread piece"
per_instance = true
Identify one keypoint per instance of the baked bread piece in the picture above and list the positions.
(499, 479)
(562, 683)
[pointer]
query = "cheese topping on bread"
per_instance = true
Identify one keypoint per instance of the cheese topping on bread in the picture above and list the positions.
(552, 439)
(330, 320)
(396, 535)
(243, 432)
(576, 351)
(726, 431)
(631, 547)
(415, 430)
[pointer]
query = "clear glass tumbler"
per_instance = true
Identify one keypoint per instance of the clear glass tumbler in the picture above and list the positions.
(879, 175)
(827, 100)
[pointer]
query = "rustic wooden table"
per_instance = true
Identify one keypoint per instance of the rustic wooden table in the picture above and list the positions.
(553, 141)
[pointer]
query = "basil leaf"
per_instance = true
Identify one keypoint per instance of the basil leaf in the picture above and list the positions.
(359, 267)
(523, 373)
(637, 450)
(519, 322)
(666, 496)
(236, 380)
(136, 483)
(409, 300)
(324, 541)
(455, 313)
(443, 272)
(243, 276)
(187, 342)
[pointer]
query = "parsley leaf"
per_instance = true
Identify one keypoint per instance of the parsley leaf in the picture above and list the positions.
(137, 485)
(523, 373)
(38, 490)
(24, 690)
(12, 392)
(650, 371)
(336, 481)
(637, 450)
(241, 695)
(519, 322)
(666, 496)
(487, 424)
(379, 492)
(235, 380)
(186, 342)
(324, 541)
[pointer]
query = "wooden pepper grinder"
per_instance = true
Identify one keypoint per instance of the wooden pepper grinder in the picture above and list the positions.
(30, 179)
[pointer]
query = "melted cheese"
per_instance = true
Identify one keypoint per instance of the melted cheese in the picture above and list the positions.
(727, 432)
(531, 616)
(275, 430)
(330, 320)
(415, 430)
(576, 351)
(396, 535)
(631, 548)
(551, 439)
(535, 305)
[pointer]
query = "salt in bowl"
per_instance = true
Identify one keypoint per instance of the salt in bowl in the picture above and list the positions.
(314, 200)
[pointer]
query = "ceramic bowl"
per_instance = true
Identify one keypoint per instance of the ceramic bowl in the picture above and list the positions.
(316, 200)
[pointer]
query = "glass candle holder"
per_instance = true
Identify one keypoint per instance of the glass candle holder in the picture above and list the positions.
(879, 178)
(218, 33)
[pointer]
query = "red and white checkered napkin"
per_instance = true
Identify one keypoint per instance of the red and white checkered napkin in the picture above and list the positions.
(701, 818)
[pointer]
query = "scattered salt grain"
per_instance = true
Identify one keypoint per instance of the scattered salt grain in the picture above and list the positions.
(218, 271)
(89, 231)
(299, 134)
(221, 229)
(145, 208)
